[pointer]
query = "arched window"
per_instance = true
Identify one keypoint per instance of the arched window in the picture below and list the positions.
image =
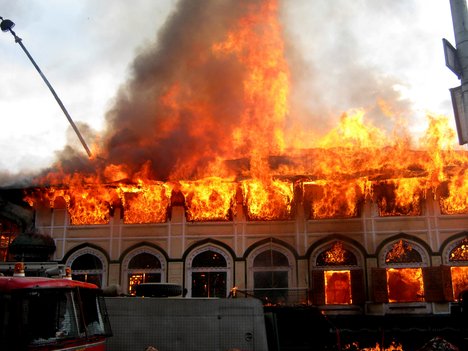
(403, 262)
(457, 258)
(337, 275)
(270, 268)
(89, 265)
(8, 232)
(209, 272)
(142, 265)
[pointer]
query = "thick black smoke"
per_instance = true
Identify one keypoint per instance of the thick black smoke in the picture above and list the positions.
(182, 101)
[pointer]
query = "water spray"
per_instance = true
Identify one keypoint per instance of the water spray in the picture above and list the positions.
(6, 25)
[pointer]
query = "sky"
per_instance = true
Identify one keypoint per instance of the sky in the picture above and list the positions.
(342, 53)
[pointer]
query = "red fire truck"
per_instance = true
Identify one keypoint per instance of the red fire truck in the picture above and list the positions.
(39, 313)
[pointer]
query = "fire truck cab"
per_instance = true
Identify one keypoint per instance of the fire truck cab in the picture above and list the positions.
(39, 313)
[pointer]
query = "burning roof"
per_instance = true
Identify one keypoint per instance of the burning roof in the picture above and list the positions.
(205, 122)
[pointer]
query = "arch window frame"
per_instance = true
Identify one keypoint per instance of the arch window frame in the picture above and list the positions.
(99, 255)
(388, 247)
(135, 252)
(326, 246)
(449, 248)
(190, 269)
(424, 263)
(319, 271)
(455, 263)
(274, 247)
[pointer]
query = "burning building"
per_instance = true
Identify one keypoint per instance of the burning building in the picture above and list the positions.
(203, 179)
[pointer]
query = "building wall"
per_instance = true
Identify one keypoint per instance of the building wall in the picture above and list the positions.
(301, 239)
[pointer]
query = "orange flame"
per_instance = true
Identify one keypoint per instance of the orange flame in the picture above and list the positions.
(257, 43)
(331, 176)
(268, 200)
(334, 199)
(460, 253)
(459, 280)
(394, 346)
(338, 287)
(336, 254)
(400, 252)
(405, 284)
(209, 199)
(145, 203)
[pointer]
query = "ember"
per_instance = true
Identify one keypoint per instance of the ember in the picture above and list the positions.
(394, 346)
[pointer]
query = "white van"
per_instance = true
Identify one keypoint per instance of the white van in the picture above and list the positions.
(186, 324)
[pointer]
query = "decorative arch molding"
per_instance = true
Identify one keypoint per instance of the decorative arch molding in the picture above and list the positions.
(350, 271)
(350, 244)
(327, 244)
(416, 244)
(147, 244)
(273, 246)
(405, 237)
(208, 247)
(269, 241)
(88, 249)
(448, 246)
(72, 251)
(205, 242)
(143, 249)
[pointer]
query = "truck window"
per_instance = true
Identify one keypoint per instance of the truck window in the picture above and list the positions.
(48, 316)
(94, 313)
(44, 317)
(37, 317)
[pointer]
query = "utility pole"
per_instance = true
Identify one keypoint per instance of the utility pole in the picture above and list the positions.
(456, 59)
(6, 25)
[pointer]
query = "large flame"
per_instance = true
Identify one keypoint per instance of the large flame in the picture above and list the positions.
(405, 285)
(459, 276)
(204, 123)
(256, 42)
(338, 287)
(209, 199)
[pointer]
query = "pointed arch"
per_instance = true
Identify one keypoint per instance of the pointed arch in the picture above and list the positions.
(142, 264)
(337, 272)
(209, 270)
(88, 264)
(271, 270)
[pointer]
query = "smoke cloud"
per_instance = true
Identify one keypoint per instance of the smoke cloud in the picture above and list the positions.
(358, 55)
(178, 111)
(182, 101)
